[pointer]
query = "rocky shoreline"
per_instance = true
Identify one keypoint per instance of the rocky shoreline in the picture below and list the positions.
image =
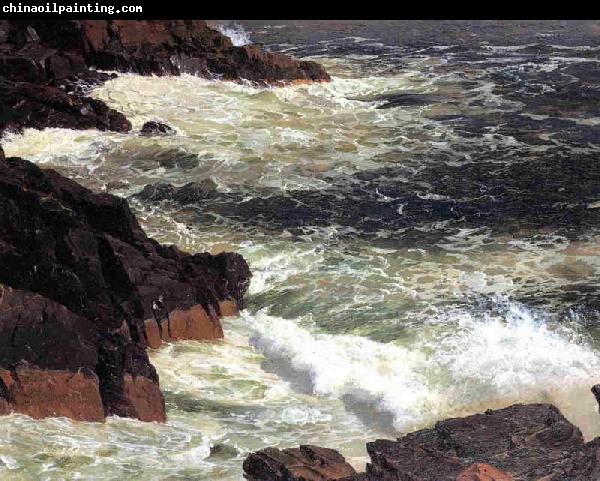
(523, 442)
(47, 68)
(83, 290)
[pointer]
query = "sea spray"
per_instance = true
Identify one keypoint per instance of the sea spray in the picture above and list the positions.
(238, 35)
(477, 358)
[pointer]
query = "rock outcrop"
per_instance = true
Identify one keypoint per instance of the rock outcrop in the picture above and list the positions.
(156, 128)
(186, 194)
(84, 292)
(306, 463)
(520, 443)
(46, 67)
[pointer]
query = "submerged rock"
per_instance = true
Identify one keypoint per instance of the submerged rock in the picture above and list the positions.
(83, 292)
(518, 443)
(156, 128)
(186, 194)
(223, 451)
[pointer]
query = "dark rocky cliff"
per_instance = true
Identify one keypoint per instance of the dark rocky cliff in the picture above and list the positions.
(83, 292)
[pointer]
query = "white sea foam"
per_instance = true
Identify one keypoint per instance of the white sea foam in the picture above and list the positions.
(475, 359)
(238, 35)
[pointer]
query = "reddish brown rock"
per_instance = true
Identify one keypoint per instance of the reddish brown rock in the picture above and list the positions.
(177, 46)
(79, 279)
(483, 472)
(41, 393)
(229, 308)
(186, 324)
(306, 463)
(142, 396)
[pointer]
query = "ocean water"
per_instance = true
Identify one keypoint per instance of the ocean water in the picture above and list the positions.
(422, 231)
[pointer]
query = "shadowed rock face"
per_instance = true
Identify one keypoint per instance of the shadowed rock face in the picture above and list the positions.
(520, 443)
(174, 47)
(45, 66)
(80, 283)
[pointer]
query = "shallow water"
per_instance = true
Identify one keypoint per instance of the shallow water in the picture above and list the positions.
(421, 232)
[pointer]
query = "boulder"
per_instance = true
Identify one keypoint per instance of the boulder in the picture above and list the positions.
(306, 463)
(84, 292)
(156, 128)
(186, 194)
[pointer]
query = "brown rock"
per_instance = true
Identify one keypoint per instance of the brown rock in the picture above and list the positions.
(182, 324)
(483, 472)
(41, 393)
(145, 400)
(306, 463)
(229, 308)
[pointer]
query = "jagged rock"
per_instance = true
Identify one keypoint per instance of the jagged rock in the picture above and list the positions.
(520, 439)
(46, 338)
(39, 106)
(177, 46)
(306, 463)
(83, 292)
(156, 128)
(186, 194)
(531, 442)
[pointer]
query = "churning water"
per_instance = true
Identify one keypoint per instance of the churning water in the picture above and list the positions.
(422, 233)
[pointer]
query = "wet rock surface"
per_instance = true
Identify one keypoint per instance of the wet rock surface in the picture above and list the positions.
(80, 283)
(45, 66)
(156, 128)
(306, 463)
(518, 443)
(186, 194)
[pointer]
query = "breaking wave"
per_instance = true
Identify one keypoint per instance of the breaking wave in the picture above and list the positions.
(466, 360)
(238, 35)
